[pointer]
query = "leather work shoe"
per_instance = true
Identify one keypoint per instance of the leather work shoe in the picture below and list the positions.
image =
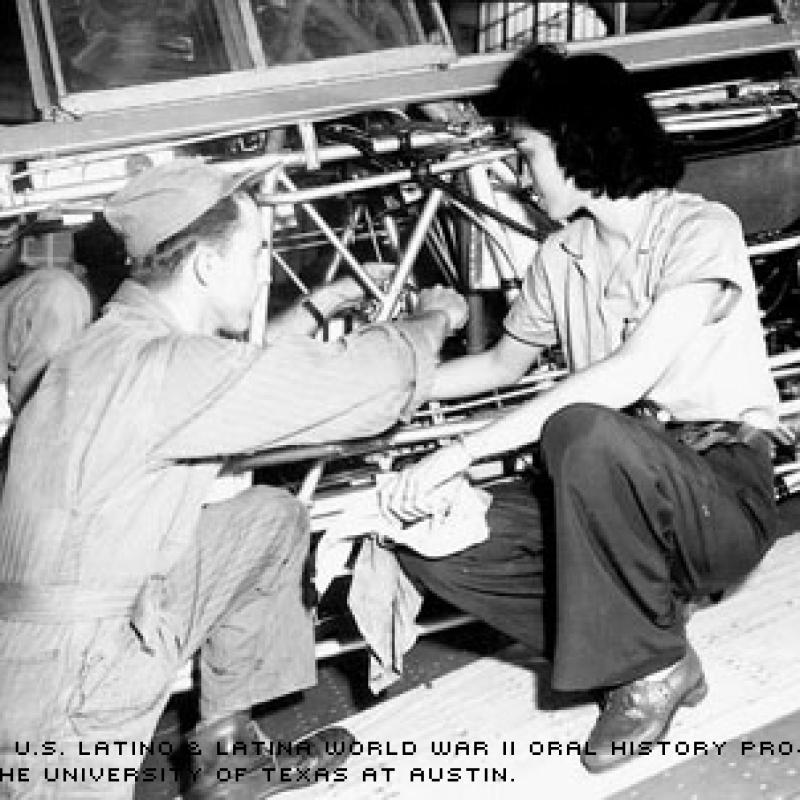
(233, 760)
(637, 714)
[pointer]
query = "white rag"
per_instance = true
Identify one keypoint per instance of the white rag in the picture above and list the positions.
(383, 601)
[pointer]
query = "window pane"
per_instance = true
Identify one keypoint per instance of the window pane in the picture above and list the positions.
(104, 44)
(306, 30)
(108, 44)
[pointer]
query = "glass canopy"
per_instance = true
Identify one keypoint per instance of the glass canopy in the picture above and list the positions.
(110, 44)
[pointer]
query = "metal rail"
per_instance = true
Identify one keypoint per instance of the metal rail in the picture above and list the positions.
(75, 190)
(257, 109)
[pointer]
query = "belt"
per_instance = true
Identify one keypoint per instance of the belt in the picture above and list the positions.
(57, 604)
(701, 436)
(704, 434)
(63, 603)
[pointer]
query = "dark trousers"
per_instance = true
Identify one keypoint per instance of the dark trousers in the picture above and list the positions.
(591, 567)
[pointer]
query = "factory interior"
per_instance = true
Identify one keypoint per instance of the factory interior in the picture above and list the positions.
(371, 122)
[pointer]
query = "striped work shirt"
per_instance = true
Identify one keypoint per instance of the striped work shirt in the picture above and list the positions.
(109, 464)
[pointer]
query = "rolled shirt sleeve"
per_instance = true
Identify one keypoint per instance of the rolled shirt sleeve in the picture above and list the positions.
(531, 317)
(708, 245)
(220, 397)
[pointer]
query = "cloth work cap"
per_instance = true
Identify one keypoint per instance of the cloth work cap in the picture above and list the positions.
(162, 200)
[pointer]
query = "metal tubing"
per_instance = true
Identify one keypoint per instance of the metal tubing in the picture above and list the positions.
(386, 179)
(498, 248)
(291, 274)
(258, 315)
(784, 359)
(409, 256)
(328, 648)
(391, 231)
(334, 240)
(348, 235)
(775, 246)
(497, 239)
(38, 199)
(310, 482)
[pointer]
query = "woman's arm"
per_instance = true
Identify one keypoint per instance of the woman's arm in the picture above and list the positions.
(615, 382)
(503, 364)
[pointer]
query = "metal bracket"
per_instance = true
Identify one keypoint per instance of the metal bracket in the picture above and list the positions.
(308, 137)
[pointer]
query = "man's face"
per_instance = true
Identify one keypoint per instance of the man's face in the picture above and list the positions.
(241, 270)
(555, 193)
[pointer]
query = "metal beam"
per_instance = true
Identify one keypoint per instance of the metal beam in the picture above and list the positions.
(695, 44)
(239, 112)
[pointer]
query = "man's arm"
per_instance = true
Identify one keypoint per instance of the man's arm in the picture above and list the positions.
(618, 380)
(306, 316)
(309, 313)
(221, 397)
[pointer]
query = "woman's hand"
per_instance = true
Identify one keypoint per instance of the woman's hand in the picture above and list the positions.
(416, 492)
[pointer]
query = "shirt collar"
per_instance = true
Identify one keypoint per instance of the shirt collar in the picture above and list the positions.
(572, 239)
(578, 236)
(135, 297)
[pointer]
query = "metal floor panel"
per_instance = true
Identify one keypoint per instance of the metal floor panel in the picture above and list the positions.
(491, 705)
(341, 692)
(762, 764)
(750, 649)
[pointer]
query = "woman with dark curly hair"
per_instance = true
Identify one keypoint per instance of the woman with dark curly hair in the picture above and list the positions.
(605, 135)
(655, 447)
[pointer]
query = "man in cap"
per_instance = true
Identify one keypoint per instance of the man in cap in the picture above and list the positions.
(113, 569)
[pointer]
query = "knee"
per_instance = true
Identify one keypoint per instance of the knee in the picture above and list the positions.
(281, 506)
(578, 438)
(442, 576)
(280, 521)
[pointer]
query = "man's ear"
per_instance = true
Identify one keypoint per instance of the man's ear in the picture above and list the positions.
(204, 263)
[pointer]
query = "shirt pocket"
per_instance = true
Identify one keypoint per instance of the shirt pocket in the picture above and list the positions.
(120, 684)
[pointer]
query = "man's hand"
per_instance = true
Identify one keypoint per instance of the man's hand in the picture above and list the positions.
(448, 301)
(346, 293)
(415, 494)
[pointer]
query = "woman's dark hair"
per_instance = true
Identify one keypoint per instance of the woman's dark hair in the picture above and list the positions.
(213, 228)
(606, 135)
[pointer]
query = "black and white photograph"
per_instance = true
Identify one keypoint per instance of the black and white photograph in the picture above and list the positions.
(399, 399)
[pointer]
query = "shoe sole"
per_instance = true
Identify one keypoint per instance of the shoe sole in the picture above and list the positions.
(693, 696)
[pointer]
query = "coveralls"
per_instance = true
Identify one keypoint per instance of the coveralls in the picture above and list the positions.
(112, 569)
